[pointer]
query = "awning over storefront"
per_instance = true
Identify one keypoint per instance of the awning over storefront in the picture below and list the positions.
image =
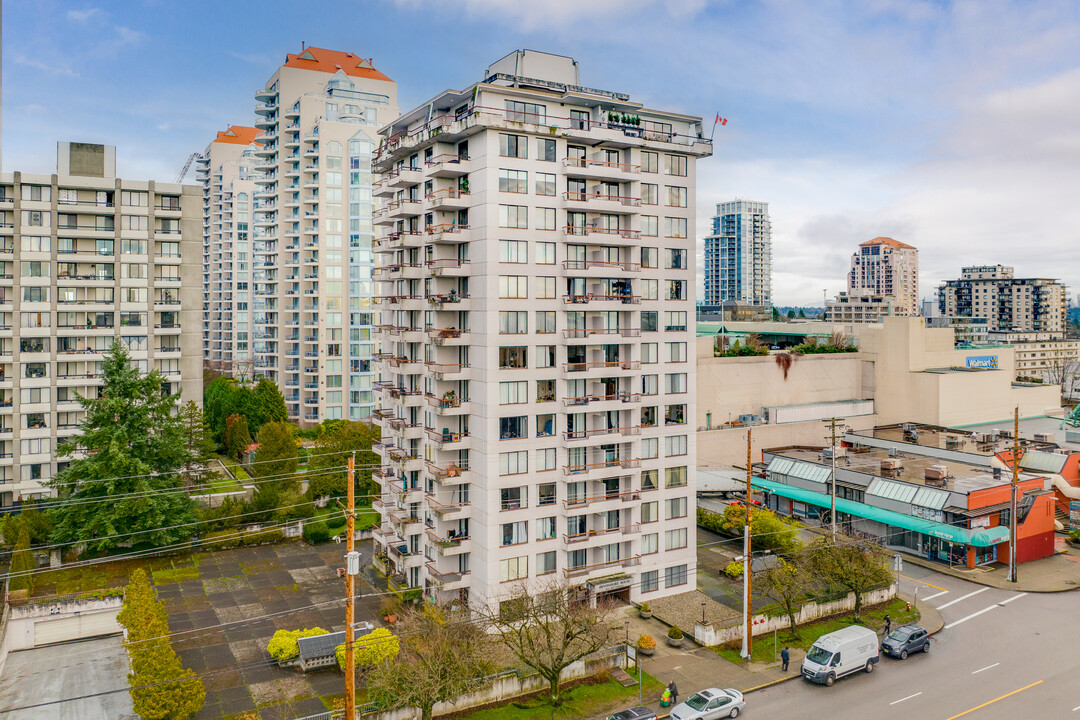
(984, 537)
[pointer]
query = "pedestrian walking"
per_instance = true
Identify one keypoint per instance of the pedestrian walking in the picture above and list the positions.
(786, 657)
(674, 690)
(888, 623)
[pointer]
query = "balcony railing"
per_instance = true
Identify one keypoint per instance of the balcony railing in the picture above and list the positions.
(585, 197)
(586, 399)
(604, 264)
(620, 364)
(624, 463)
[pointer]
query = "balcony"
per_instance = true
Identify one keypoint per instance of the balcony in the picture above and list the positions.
(601, 169)
(578, 367)
(599, 233)
(448, 336)
(449, 233)
(448, 267)
(445, 439)
(601, 432)
(451, 299)
(448, 406)
(602, 503)
(622, 463)
(447, 580)
(601, 265)
(612, 204)
(403, 208)
(586, 332)
(452, 471)
(449, 540)
(403, 176)
(449, 198)
(589, 399)
(448, 165)
(624, 298)
(446, 371)
(447, 510)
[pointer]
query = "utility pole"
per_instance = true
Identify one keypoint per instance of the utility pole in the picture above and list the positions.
(832, 495)
(748, 611)
(352, 567)
(1012, 494)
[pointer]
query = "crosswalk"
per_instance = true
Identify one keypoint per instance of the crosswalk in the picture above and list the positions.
(959, 601)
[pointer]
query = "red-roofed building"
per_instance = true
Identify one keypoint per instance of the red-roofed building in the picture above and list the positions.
(331, 61)
(883, 281)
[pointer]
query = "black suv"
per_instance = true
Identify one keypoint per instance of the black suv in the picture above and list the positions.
(905, 640)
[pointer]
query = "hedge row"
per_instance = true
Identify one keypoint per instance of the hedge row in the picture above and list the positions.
(225, 539)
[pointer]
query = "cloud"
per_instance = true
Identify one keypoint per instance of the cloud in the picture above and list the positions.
(252, 58)
(82, 16)
(548, 14)
(163, 126)
(55, 68)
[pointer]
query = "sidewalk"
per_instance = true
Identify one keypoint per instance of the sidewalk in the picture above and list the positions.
(1057, 573)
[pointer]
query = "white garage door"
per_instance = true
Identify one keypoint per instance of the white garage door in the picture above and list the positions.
(76, 627)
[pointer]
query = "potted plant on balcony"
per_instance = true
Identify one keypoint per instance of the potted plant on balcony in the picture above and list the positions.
(674, 636)
(389, 609)
(644, 610)
(646, 644)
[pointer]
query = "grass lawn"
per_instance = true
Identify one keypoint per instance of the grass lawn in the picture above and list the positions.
(235, 468)
(221, 484)
(872, 617)
(578, 702)
(366, 517)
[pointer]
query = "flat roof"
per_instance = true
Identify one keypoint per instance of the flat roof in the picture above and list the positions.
(1043, 425)
(955, 439)
(962, 477)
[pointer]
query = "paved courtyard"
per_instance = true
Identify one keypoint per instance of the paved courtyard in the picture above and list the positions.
(240, 598)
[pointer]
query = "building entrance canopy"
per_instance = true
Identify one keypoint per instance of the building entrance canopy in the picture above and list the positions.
(984, 537)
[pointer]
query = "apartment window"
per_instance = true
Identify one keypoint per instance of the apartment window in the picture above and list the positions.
(513, 181)
(576, 559)
(545, 356)
(513, 322)
(545, 528)
(135, 222)
(546, 562)
(675, 320)
(675, 383)
(35, 446)
(35, 294)
(676, 476)
(36, 243)
(515, 463)
(674, 576)
(515, 533)
(34, 395)
(545, 183)
(649, 512)
(36, 193)
(545, 493)
(676, 290)
(545, 322)
(650, 289)
(513, 393)
(35, 268)
(650, 448)
(513, 357)
(34, 345)
(650, 226)
(545, 149)
(513, 287)
(650, 353)
(676, 196)
(650, 194)
(675, 165)
(513, 251)
(650, 580)
(516, 146)
(545, 219)
(517, 216)
(674, 227)
(650, 321)
(36, 218)
(525, 112)
(133, 247)
(676, 508)
(648, 479)
(650, 257)
(513, 428)
(545, 425)
(545, 288)
(518, 569)
(675, 539)
(650, 161)
(649, 385)
(34, 319)
(546, 459)
(675, 414)
(648, 416)
(545, 253)
(35, 421)
(676, 351)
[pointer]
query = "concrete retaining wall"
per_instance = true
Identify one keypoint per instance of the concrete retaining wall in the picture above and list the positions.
(710, 635)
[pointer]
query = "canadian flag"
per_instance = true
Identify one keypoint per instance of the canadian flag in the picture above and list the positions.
(722, 121)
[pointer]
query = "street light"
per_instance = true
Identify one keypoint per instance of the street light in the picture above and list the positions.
(702, 613)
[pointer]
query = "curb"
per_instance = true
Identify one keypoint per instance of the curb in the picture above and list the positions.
(772, 682)
(945, 570)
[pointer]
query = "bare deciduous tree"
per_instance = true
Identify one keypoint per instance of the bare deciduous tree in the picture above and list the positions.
(550, 629)
(786, 584)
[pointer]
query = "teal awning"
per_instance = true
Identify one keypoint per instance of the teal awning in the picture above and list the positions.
(984, 537)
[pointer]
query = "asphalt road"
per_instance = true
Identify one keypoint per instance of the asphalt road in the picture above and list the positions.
(1001, 654)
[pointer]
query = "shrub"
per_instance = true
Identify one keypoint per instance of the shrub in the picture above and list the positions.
(283, 645)
(225, 539)
(371, 649)
(1074, 536)
(316, 532)
(389, 605)
(262, 537)
(646, 642)
(644, 607)
(675, 633)
(734, 569)
(335, 522)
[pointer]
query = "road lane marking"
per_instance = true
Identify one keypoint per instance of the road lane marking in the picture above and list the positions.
(1014, 597)
(975, 672)
(907, 698)
(963, 597)
(923, 582)
(991, 702)
(1076, 708)
(931, 597)
(954, 623)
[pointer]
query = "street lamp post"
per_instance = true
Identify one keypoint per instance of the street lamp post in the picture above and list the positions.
(702, 613)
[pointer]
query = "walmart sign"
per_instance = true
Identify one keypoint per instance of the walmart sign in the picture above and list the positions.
(983, 362)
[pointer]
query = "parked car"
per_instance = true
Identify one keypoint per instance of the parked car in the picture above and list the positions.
(635, 713)
(710, 704)
(841, 653)
(905, 640)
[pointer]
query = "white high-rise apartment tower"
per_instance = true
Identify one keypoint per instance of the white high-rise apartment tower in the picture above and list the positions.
(883, 281)
(311, 314)
(738, 255)
(536, 314)
(227, 172)
(87, 259)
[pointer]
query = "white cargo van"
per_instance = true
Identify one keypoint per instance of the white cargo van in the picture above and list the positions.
(841, 653)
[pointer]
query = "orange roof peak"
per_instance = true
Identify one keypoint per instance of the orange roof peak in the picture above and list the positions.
(237, 135)
(887, 241)
(331, 61)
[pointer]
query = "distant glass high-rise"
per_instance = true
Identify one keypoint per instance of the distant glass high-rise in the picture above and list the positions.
(738, 254)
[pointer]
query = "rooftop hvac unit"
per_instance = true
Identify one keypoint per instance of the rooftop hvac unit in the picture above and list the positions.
(908, 427)
(829, 453)
(934, 482)
(890, 464)
(893, 452)
(746, 419)
(985, 438)
(952, 441)
(935, 473)
(1044, 437)
(943, 469)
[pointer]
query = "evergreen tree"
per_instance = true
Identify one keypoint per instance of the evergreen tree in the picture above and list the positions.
(198, 443)
(791, 314)
(326, 470)
(22, 563)
(270, 402)
(218, 405)
(237, 436)
(126, 481)
(276, 461)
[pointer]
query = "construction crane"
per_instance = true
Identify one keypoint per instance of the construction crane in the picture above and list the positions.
(187, 166)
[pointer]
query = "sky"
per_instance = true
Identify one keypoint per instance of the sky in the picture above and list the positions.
(951, 126)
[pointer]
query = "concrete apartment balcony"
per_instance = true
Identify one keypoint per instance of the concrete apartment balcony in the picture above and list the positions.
(449, 301)
(448, 405)
(601, 235)
(601, 203)
(599, 469)
(403, 177)
(448, 165)
(587, 332)
(601, 170)
(598, 268)
(448, 267)
(448, 580)
(404, 208)
(449, 199)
